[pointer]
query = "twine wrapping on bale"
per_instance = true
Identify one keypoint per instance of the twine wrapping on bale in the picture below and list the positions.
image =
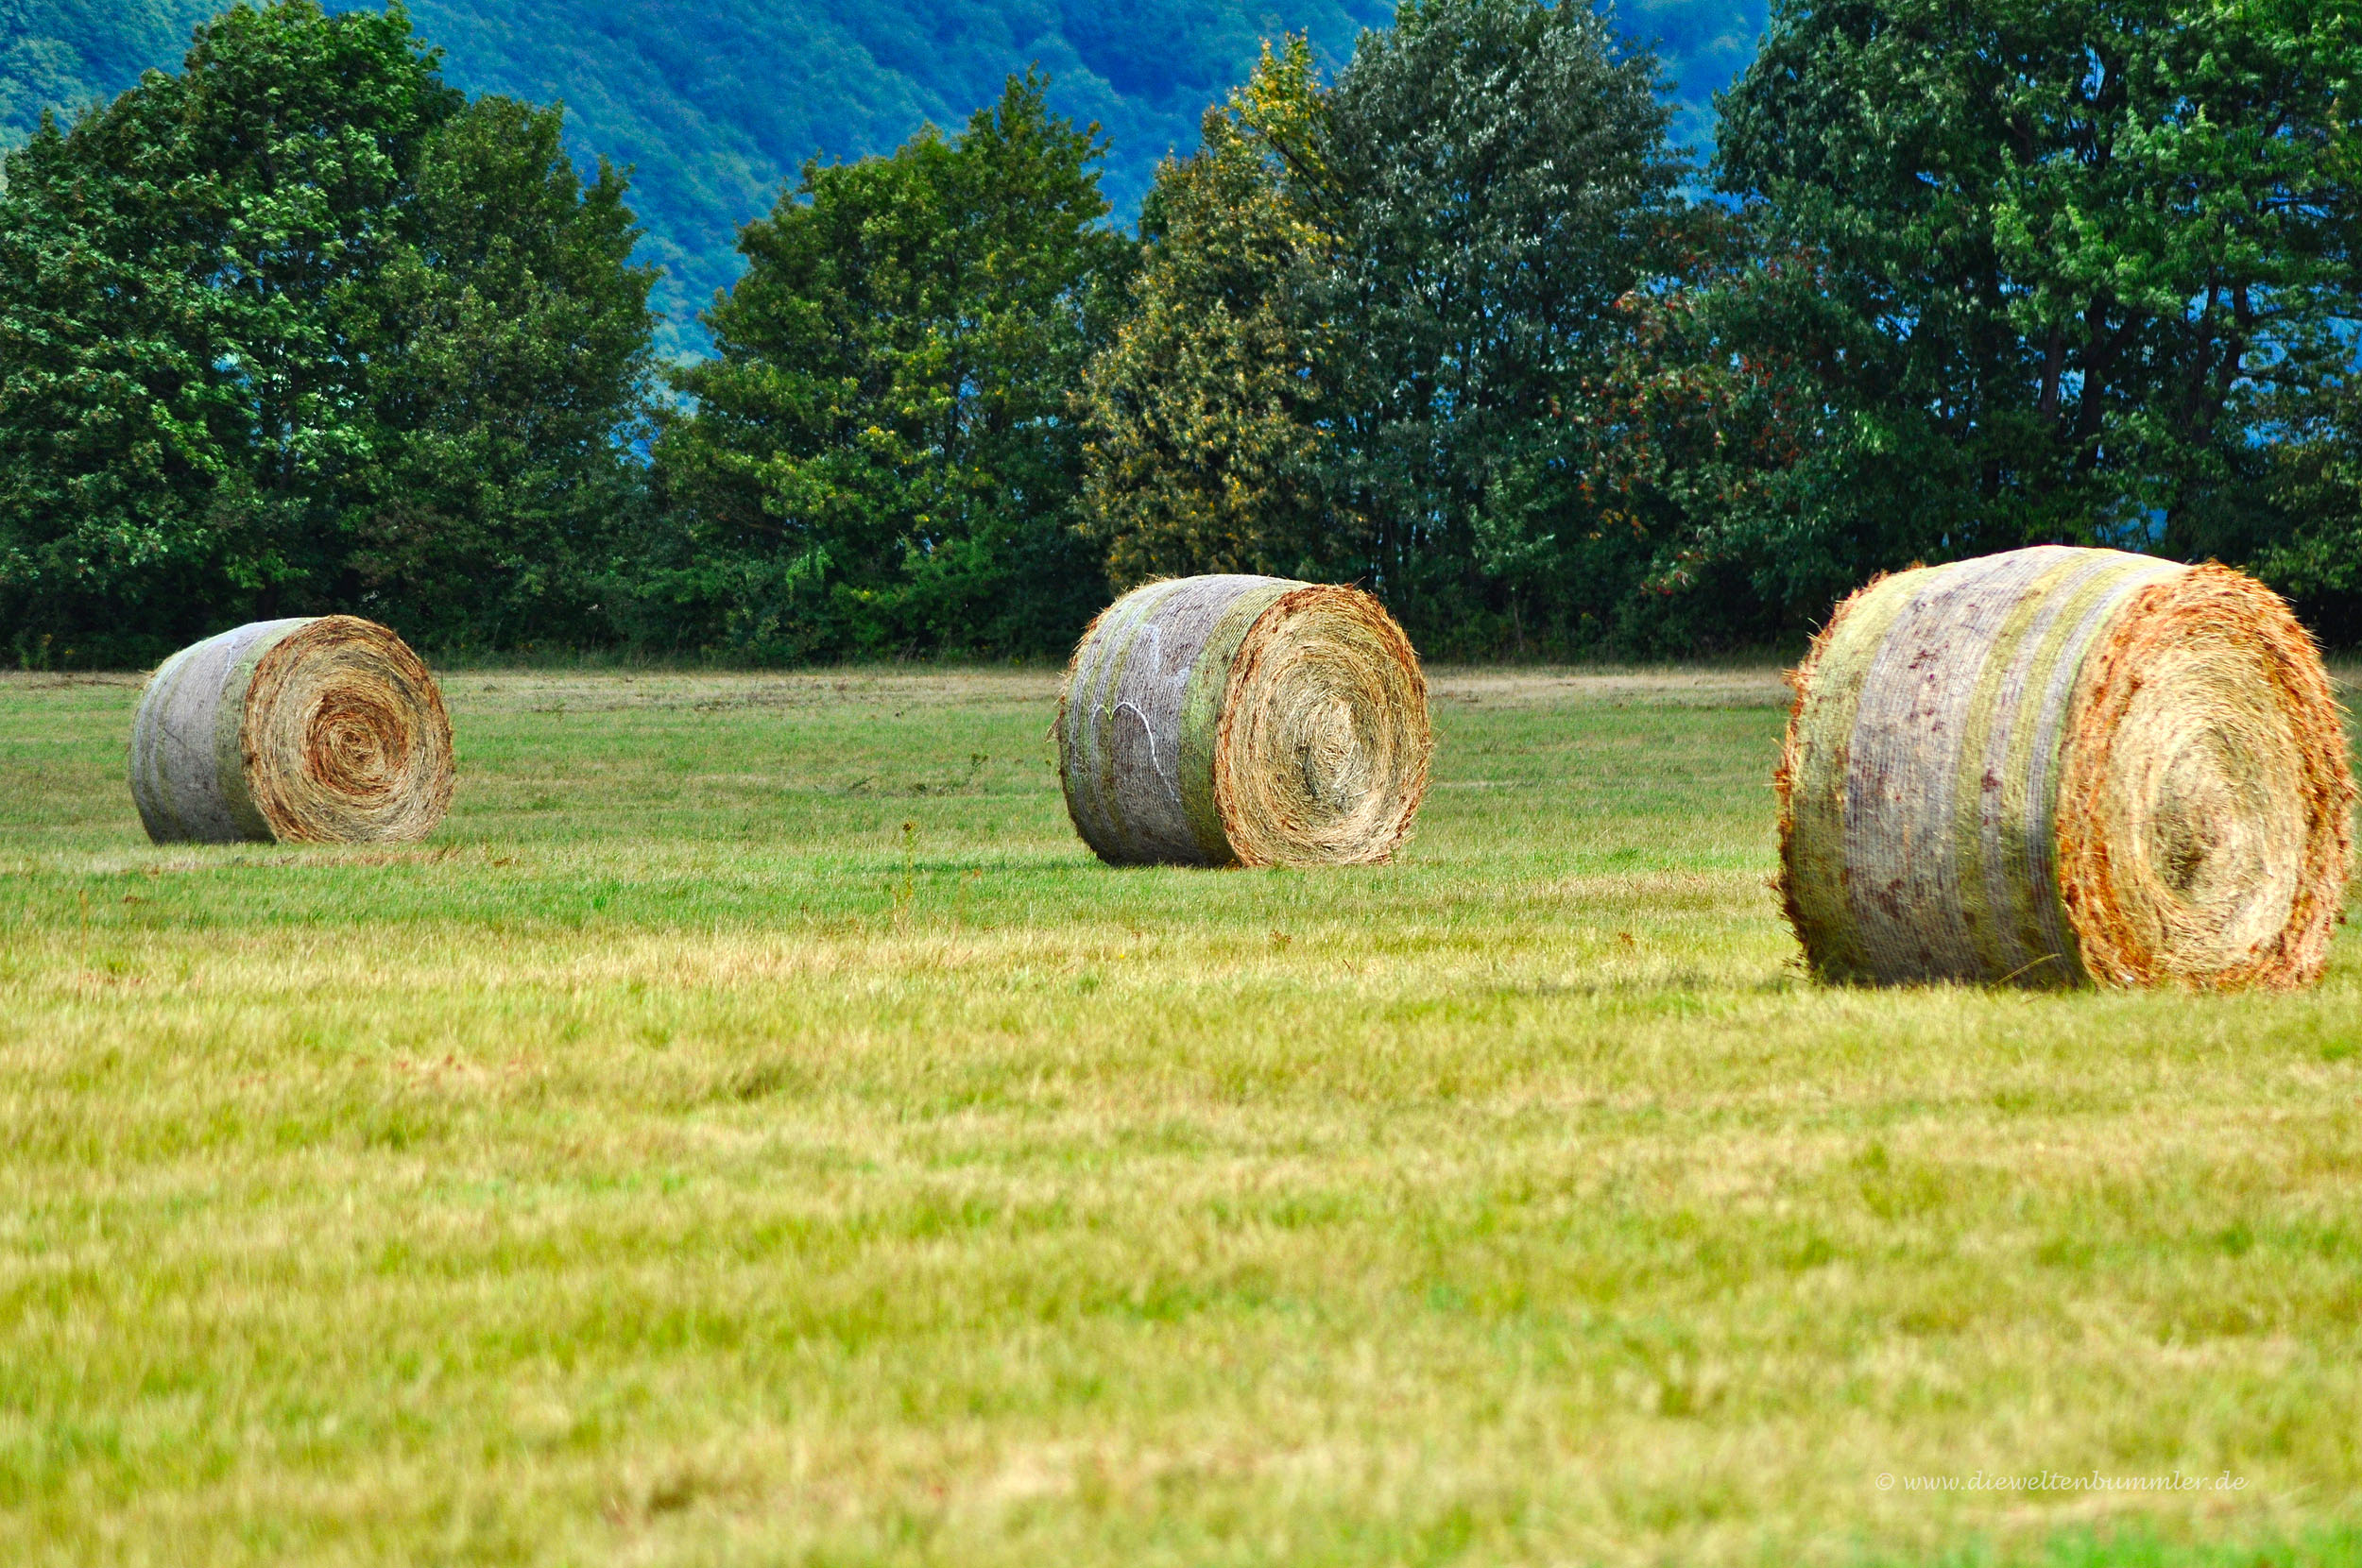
(1243, 720)
(2061, 767)
(314, 730)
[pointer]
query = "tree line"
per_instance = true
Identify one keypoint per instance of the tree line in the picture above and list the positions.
(301, 328)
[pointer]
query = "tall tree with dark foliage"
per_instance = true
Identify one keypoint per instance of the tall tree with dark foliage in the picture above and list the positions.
(1205, 450)
(1449, 227)
(881, 457)
(2028, 271)
(300, 329)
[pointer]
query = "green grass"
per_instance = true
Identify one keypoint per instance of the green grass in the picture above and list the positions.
(752, 1131)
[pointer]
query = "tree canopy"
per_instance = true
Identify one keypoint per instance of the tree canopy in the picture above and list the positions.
(2034, 272)
(1207, 443)
(301, 328)
(880, 457)
(1363, 305)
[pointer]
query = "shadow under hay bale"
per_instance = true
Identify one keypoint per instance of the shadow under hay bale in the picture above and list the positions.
(2061, 767)
(1243, 720)
(314, 730)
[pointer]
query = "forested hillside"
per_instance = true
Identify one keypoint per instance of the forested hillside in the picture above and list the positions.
(305, 324)
(717, 105)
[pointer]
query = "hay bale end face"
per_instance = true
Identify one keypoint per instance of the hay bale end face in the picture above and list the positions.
(2066, 767)
(314, 730)
(1243, 720)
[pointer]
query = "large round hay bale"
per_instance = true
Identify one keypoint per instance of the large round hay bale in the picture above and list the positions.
(2058, 766)
(1243, 720)
(316, 730)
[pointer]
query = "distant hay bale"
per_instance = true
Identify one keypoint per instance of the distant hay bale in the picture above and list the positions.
(1246, 720)
(2062, 767)
(314, 730)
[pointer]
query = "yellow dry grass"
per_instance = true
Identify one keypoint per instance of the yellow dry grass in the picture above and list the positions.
(753, 1130)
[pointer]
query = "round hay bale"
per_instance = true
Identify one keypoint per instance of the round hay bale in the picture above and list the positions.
(1243, 720)
(321, 729)
(2061, 767)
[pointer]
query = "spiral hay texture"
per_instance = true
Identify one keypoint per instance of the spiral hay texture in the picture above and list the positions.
(323, 730)
(1243, 720)
(2061, 767)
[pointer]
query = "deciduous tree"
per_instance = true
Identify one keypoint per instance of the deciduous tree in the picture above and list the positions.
(1368, 303)
(2051, 267)
(883, 456)
(1206, 449)
(289, 332)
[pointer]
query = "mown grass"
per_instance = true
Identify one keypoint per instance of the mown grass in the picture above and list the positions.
(753, 1131)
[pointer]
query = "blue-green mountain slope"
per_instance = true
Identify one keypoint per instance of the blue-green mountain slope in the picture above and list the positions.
(717, 104)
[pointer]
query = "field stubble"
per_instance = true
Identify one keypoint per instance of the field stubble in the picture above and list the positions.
(753, 1129)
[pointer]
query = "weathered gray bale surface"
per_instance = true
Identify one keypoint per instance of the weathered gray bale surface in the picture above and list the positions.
(1243, 720)
(2061, 767)
(314, 730)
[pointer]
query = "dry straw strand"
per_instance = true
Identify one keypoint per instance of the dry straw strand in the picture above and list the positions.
(318, 729)
(1237, 719)
(2058, 766)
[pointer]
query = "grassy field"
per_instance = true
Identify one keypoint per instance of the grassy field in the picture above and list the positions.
(753, 1131)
